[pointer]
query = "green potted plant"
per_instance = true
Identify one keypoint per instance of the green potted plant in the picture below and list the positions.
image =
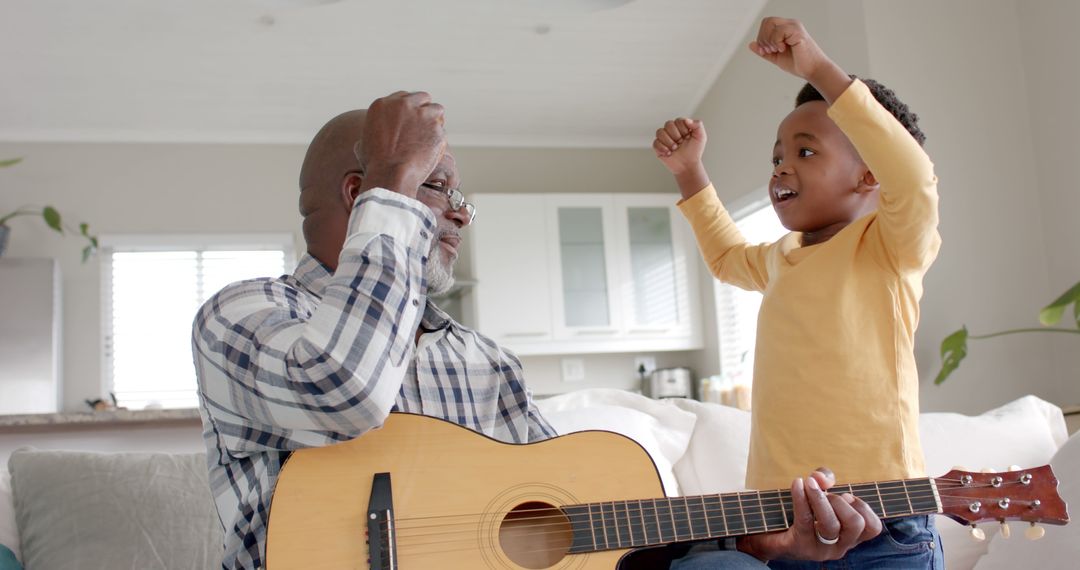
(51, 217)
(954, 347)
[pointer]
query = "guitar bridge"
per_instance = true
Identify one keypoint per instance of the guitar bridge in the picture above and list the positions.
(382, 540)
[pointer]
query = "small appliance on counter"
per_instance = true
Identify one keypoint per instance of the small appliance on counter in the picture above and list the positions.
(675, 382)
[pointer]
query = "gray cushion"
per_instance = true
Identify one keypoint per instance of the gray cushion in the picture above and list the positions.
(78, 510)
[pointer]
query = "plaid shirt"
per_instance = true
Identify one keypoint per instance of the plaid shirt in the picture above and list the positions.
(315, 358)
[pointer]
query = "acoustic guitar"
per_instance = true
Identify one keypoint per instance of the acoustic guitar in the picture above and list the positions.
(421, 493)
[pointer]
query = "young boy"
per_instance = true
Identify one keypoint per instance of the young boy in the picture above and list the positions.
(835, 381)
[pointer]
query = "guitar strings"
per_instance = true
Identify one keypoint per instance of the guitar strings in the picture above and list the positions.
(642, 509)
(411, 546)
(764, 525)
(736, 500)
(692, 506)
(692, 525)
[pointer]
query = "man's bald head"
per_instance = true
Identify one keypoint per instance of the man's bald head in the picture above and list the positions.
(329, 159)
(332, 153)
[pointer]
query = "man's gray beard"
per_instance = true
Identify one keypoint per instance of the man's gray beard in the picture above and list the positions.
(438, 272)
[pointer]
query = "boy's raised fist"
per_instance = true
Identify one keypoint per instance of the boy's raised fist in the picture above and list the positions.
(680, 143)
(786, 43)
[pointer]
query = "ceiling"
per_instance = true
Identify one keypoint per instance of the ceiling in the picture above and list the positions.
(563, 73)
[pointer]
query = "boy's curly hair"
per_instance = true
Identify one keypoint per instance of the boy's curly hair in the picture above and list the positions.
(884, 95)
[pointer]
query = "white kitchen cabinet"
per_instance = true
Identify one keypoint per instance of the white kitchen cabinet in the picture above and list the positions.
(584, 273)
(583, 262)
(509, 248)
(660, 276)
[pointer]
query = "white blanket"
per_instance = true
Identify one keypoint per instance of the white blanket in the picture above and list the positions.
(661, 427)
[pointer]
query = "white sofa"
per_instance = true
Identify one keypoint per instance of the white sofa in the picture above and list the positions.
(137, 510)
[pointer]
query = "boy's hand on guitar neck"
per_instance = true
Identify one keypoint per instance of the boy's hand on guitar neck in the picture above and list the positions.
(820, 517)
(786, 44)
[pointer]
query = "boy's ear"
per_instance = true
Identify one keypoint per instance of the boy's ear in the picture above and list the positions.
(868, 183)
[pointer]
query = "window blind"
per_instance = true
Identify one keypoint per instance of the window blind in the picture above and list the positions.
(150, 302)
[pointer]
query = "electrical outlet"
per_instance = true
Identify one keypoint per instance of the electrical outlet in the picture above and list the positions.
(573, 369)
(649, 362)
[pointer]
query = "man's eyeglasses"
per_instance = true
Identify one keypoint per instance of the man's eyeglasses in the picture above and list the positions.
(455, 198)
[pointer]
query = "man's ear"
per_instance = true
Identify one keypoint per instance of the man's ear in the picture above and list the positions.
(867, 183)
(350, 189)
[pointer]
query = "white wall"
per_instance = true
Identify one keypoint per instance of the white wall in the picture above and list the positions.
(1053, 84)
(962, 66)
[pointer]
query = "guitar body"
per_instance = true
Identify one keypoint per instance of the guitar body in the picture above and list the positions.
(451, 491)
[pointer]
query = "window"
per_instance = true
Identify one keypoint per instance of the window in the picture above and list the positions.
(152, 286)
(736, 309)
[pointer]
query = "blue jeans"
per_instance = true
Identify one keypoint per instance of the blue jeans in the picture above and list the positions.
(904, 544)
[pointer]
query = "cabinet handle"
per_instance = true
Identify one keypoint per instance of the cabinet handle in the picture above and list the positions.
(521, 334)
(597, 331)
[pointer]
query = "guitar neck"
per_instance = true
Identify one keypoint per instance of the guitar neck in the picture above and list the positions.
(647, 522)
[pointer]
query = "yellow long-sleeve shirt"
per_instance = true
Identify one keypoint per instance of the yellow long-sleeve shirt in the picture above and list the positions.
(835, 382)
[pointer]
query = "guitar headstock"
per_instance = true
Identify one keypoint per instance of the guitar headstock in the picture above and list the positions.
(1028, 495)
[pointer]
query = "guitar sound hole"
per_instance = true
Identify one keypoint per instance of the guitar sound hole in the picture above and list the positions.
(535, 535)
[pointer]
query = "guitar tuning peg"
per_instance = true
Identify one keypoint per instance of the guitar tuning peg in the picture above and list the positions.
(977, 534)
(1034, 532)
(1005, 532)
(1015, 468)
(986, 470)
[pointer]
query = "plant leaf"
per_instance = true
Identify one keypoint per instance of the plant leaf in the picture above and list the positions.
(52, 217)
(1051, 314)
(86, 251)
(93, 240)
(953, 350)
(9, 162)
(83, 227)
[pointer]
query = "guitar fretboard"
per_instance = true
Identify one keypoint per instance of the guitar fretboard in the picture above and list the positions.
(644, 522)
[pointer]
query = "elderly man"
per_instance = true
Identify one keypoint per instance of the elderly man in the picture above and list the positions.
(325, 354)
